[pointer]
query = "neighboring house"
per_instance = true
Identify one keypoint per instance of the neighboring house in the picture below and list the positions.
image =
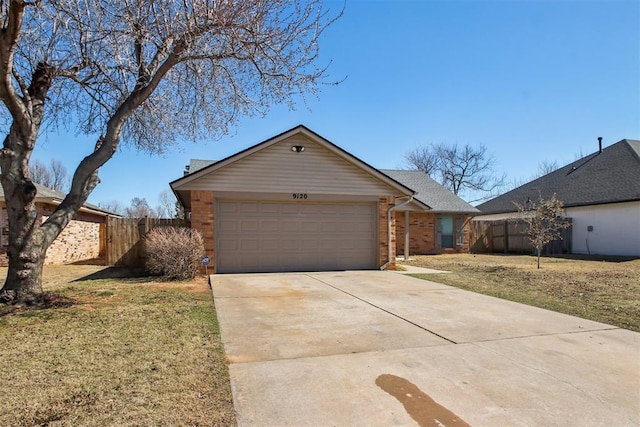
(600, 194)
(439, 221)
(82, 239)
(295, 202)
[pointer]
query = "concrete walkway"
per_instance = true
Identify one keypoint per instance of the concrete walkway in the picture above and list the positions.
(410, 269)
(378, 348)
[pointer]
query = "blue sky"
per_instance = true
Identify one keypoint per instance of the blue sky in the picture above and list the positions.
(531, 80)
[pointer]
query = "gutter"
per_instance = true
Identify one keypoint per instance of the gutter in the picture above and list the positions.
(389, 212)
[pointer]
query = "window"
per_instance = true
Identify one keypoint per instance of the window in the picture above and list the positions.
(449, 232)
(444, 232)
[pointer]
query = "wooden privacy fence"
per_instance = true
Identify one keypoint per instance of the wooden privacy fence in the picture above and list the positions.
(124, 240)
(510, 236)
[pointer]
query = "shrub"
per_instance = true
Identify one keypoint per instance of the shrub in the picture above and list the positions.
(174, 252)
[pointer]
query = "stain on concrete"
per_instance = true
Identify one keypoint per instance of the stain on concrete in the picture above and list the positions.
(422, 408)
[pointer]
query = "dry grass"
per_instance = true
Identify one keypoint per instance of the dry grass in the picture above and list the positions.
(603, 291)
(128, 352)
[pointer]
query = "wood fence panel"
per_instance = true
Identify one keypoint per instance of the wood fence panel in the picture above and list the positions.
(125, 239)
(481, 237)
(510, 236)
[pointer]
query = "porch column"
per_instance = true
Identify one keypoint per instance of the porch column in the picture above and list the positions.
(406, 235)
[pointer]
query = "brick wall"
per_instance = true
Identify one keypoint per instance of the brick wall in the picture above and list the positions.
(384, 204)
(80, 240)
(203, 220)
(422, 234)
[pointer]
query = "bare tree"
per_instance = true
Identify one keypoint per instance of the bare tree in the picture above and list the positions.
(460, 169)
(546, 167)
(40, 173)
(140, 208)
(113, 206)
(60, 176)
(166, 205)
(422, 158)
(143, 72)
(545, 220)
(54, 176)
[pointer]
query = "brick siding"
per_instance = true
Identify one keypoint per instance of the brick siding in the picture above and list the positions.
(203, 220)
(422, 234)
(79, 241)
(384, 204)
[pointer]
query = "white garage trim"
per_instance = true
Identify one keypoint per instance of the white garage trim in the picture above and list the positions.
(265, 236)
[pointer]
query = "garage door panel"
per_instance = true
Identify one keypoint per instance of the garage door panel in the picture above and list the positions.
(328, 227)
(289, 208)
(270, 226)
(256, 236)
(309, 226)
(269, 208)
(247, 207)
(228, 245)
(224, 225)
(290, 226)
(249, 244)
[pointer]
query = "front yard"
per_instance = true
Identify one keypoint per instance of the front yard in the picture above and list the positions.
(133, 351)
(128, 351)
(604, 291)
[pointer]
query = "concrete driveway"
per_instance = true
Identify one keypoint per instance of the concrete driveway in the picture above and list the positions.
(376, 348)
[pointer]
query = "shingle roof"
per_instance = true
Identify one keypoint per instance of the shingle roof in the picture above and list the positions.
(610, 176)
(429, 192)
(50, 195)
(197, 164)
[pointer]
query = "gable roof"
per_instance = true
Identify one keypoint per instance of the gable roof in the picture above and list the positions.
(608, 176)
(51, 196)
(431, 193)
(208, 166)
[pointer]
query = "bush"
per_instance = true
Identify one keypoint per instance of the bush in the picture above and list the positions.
(174, 252)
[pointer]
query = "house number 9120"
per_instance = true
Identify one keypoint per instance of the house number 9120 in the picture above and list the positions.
(300, 195)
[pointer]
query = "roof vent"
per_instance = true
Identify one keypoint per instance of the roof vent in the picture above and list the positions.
(600, 144)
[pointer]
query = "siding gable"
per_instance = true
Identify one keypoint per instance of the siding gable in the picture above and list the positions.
(278, 169)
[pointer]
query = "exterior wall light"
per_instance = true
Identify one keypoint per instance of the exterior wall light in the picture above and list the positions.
(297, 148)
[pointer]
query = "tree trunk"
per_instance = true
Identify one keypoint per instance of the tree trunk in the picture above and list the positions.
(28, 241)
(24, 276)
(26, 247)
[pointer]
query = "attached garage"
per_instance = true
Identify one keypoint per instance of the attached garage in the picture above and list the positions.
(295, 202)
(257, 236)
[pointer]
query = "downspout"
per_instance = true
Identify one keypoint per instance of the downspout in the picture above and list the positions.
(389, 230)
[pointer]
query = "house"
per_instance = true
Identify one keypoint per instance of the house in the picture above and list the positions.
(295, 202)
(600, 194)
(439, 221)
(82, 239)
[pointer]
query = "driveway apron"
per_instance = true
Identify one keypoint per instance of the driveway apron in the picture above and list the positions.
(373, 348)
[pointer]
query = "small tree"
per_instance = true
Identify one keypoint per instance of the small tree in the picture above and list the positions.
(545, 220)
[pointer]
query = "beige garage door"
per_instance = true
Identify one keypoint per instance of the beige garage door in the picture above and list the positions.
(258, 236)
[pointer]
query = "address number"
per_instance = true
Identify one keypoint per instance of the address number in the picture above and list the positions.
(300, 196)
